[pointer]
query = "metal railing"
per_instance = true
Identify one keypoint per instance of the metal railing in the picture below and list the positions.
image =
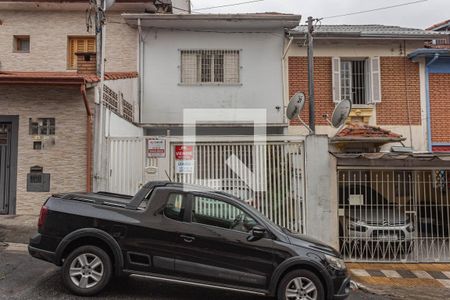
(394, 215)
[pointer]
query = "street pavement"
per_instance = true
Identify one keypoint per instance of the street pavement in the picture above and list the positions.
(23, 277)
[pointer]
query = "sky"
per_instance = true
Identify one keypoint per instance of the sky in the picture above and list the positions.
(419, 15)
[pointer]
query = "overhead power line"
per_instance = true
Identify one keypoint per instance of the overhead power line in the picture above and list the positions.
(227, 5)
(375, 9)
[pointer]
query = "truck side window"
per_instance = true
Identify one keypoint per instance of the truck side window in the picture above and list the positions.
(218, 213)
(175, 207)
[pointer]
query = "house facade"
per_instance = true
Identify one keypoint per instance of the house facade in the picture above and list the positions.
(368, 65)
(56, 111)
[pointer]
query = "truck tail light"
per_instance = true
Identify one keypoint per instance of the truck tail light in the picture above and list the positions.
(42, 216)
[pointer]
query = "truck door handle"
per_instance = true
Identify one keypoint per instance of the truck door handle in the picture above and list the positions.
(187, 238)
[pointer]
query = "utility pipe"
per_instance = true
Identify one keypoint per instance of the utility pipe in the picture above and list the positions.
(427, 91)
(88, 139)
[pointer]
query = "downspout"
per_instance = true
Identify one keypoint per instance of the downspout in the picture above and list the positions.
(427, 91)
(141, 70)
(88, 139)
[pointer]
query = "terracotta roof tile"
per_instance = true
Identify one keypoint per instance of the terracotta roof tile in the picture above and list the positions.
(366, 131)
(59, 77)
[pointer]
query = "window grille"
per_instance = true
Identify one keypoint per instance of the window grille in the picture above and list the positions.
(42, 126)
(110, 99)
(210, 67)
(354, 81)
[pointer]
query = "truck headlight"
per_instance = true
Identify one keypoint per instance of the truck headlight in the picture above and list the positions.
(335, 262)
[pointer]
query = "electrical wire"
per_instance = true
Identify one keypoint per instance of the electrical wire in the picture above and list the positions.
(228, 5)
(375, 9)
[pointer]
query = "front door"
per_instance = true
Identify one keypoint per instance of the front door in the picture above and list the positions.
(217, 248)
(7, 171)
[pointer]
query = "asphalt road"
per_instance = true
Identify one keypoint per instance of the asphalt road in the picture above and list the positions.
(23, 277)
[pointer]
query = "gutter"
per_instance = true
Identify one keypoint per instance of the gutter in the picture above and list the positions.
(427, 91)
(88, 139)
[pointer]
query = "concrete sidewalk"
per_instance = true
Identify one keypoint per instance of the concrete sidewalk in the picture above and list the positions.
(18, 228)
(420, 281)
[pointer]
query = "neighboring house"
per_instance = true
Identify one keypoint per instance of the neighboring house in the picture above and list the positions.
(212, 62)
(50, 120)
(369, 65)
(443, 43)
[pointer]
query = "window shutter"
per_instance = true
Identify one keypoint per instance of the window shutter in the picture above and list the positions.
(90, 45)
(336, 65)
(72, 50)
(188, 68)
(231, 67)
(375, 78)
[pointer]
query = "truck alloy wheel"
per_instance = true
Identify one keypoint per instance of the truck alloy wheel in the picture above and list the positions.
(300, 285)
(87, 270)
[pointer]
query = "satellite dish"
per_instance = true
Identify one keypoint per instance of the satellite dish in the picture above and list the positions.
(341, 113)
(295, 105)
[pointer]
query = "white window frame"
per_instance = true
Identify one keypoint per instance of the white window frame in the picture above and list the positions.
(372, 79)
(234, 76)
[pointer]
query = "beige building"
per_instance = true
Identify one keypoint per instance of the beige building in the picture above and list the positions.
(51, 120)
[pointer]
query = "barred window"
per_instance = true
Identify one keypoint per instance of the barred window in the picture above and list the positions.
(354, 81)
(210, 66)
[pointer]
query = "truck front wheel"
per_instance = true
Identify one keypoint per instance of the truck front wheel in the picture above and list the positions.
(87, 270)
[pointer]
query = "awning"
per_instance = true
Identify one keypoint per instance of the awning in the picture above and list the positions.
(390, 159)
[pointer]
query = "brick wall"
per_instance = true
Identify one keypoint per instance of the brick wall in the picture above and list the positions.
(400, 83)
(393, 108)
(298, 81)
(66, 160)
(49, 32)
(439, 86)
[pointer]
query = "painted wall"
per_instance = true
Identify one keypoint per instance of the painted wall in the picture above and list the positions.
(49, 32)
(321, 191)
(261, 75)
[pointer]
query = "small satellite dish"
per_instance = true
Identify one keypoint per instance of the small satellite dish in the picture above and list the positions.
(341, 113)
(295, 105)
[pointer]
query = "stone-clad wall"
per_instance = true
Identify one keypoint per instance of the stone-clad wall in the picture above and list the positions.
(66, 159)
(49, 32)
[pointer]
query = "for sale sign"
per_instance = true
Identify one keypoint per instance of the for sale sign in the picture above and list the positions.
(184, 159)
(184, 152)
(156, 148)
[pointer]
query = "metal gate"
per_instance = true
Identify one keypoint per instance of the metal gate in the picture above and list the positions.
(5, 161)
(269, 176)
(126, 163)
(394, 215)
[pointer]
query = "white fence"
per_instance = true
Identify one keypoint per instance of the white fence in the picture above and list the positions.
(126, 165)
(268, 176)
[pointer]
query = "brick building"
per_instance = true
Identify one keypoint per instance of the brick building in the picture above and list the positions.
(50, 124)
(369, 65)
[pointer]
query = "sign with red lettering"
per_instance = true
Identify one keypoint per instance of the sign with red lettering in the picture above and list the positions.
(184, 152)
(156, 148)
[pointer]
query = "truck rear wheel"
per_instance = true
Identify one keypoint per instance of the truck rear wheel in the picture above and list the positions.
(87, 270)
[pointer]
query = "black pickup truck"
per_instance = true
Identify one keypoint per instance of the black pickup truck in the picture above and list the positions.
(189, 234)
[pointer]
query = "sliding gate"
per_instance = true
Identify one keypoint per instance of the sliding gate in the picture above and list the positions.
(267, 176)
(391, 215)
